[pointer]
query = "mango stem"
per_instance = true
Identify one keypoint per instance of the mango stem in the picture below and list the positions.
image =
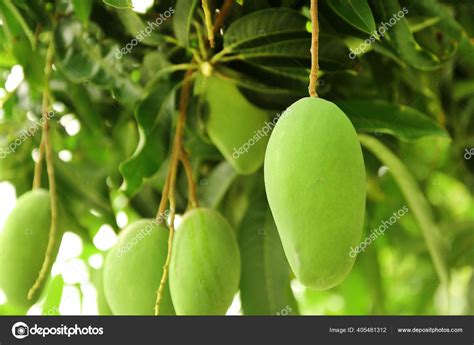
(192, 193)
(208, 19)
(46, 145)
(313, 77)
(170, 184)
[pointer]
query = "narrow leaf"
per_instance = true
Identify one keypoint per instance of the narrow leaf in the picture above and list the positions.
(119, 3)
(416, 202)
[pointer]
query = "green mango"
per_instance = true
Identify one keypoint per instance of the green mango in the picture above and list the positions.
(23, 244)
(315, 183)
(205, 265)
(133, 269)
(238, 128)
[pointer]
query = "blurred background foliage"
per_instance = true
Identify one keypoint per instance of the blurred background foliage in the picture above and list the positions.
(412, 90)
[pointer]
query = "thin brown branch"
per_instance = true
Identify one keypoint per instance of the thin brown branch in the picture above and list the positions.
(47, 147)
(44, 111)
(223, 12)
(208, 19)
(170, 185)
(313, 77)
(192, 193)
(39, 166)
(164, 276)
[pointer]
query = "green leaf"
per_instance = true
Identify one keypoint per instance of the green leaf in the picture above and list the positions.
(87, 113)
(11, 10)
(355, 12)
(402, 38)
(182, 20)
(97, 278)
(53, 298)
(75, 62)
(83, 57)
(447, 23)
(259, 92)
(420, 23)
(21, 43)
(265, 279)
(417, 204)
(215, 186)
(297, 49)
(400, 121)
(82, 8)
(119, 3)
(265, 27)
(292, 78)
(136, 27)
(150, 152)
(463, 89)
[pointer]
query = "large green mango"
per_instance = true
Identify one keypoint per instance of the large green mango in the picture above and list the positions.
(315, 183)
(133, 269)
(23, 244)
(205, 266)
(238, 128)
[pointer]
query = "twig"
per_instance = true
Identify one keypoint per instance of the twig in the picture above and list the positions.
(208, 19)
(170, 185)
(189, 175)
(39, 165)
(44, 110)
(46, 144)
(313, 77)
(159, 294)
(201, 44)
(223, 12)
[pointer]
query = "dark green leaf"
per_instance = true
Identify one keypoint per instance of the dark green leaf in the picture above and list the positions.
(402, 38)
(265, 27)
(400, 121)
(265, 280)
(355, 12)
(21, 43)
(150, 152)
(183, 18)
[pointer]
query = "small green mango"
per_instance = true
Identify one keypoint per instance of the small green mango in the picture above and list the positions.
(315, 183)
(235, 126)
(133, 269)
(205, 265)
(23, 244)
